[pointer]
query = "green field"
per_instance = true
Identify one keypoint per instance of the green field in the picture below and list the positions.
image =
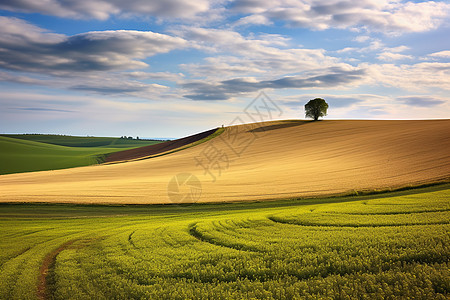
(385, 246)
(79, 141)
(21, 155)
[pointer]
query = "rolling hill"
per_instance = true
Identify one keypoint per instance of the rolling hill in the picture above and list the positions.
(281, 159)
(81, 141)
(26, 155)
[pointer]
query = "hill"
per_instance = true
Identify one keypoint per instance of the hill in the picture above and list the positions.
(283, 159)
(81, 141)
(21, 155)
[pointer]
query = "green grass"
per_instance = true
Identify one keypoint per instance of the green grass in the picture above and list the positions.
(77, 141)
(386, 246)
(18, 155)
(39, 152)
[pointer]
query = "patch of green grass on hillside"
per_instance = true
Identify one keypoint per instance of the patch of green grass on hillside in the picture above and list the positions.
(359, 247)
(18, 155)
(78, 141)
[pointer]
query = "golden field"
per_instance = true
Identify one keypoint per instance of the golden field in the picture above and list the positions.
(274, 160)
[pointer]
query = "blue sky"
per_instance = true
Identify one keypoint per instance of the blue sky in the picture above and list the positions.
(172, 68)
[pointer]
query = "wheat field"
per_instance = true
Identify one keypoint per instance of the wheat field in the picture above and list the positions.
(273, 160)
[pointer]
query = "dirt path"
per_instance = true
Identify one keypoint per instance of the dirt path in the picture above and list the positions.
(48, 263)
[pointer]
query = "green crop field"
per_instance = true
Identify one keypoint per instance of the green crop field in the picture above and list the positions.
(393, 245)
(78, 141)
(20, 155)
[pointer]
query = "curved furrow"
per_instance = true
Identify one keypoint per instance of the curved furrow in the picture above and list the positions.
(312, 224)
(386, 213)
(130, 240)
(193, 231)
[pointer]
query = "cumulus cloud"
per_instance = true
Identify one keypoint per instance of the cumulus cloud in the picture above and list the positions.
(374, 15)
(440, 54)
(103, 9)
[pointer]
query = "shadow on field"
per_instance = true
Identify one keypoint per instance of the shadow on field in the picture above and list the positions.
(284, 124)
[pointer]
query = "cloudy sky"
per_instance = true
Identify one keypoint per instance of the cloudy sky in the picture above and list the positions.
(174, 67)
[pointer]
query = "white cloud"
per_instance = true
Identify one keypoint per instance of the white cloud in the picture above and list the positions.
(362, 38)
(387, 16)
(390, 56)
(371, 106)
(375, 15)
(237, 55)
(398, 49)
(386, 54)
(252, 20)
(15, 31)
(440, 54)
(373, 46)
(349, 49)
(420, 77)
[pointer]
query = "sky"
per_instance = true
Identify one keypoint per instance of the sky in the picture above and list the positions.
(173, 68)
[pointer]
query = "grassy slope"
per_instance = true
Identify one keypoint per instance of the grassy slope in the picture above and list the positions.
(284, 159)
(18, 155)
(76, 141)
(232, 251)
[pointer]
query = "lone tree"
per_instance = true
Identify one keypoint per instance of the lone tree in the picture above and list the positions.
(316, 108)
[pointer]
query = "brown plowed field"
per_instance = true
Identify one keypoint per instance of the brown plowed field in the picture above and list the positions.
(280, 159)
(146, 151)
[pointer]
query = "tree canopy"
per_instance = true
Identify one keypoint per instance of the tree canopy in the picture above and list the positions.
(316, 108)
